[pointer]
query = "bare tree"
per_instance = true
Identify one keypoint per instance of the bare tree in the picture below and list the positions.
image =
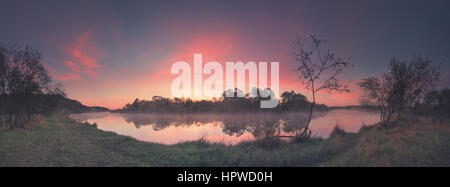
(400, 88)
(319, 69)
(24, 82)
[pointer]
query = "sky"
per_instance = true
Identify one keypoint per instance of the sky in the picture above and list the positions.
(107, 53)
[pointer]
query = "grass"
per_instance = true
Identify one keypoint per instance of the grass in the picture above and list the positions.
(59, 141)
(421, 143)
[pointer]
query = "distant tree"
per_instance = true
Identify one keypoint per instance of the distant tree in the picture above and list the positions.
(400, 88)
(293, 98)
(319, 69)
(250, 103)
(287, 97)
(24, 83)
(294, 101)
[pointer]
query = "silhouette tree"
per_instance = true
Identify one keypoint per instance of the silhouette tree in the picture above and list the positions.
(24, 85)
(319, 69)
(400, 88)
(250, 103)
(287, 97)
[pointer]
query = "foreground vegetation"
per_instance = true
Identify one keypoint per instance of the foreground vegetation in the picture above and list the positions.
(58, 141)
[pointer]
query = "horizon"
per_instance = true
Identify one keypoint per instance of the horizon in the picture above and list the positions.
(107, 53)
(200, 99)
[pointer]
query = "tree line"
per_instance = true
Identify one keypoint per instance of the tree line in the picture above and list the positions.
(289, 101)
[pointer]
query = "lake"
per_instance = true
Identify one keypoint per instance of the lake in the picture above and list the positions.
(223, 128)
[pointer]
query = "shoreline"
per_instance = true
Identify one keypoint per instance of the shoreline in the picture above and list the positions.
(59, 141)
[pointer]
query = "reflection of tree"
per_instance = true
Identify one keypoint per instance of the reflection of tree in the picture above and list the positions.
(85, 116)
(259, 124)
(235, 127)
(267, 129)
(158, 122)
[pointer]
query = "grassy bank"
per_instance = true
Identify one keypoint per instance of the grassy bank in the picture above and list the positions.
(58, 141)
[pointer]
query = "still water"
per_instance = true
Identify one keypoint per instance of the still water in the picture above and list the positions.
(223, 128)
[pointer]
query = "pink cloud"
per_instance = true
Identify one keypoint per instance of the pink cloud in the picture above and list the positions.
(84, 50)
(86, 60)
(84, 57)
(213, 47)
(91, 73)
(72, 66)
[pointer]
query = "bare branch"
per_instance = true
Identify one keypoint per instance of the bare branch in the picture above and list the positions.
(319, 71)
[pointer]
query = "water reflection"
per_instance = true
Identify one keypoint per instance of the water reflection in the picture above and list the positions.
(223, 128)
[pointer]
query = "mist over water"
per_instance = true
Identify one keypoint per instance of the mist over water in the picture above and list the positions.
(224, 128)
